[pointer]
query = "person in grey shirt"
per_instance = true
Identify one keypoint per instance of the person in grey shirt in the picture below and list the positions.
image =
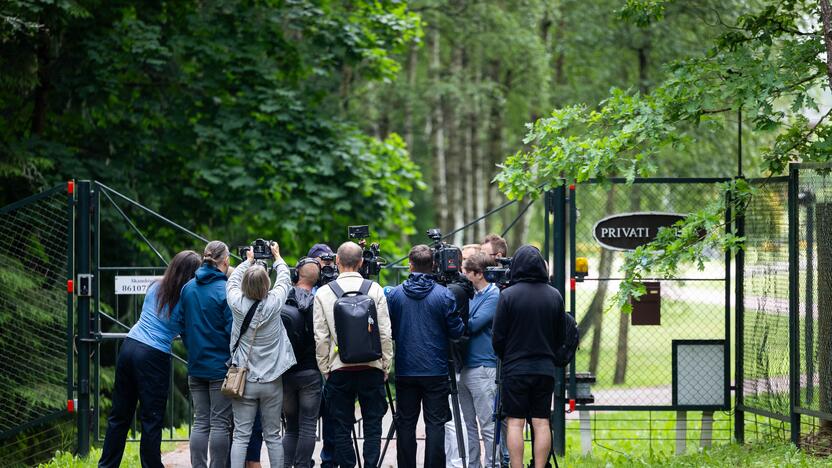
(264, 348)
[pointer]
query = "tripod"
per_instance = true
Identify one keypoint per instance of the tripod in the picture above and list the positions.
(392, 431)
(460, 442)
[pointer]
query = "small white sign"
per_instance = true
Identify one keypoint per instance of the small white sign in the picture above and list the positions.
(134, 284)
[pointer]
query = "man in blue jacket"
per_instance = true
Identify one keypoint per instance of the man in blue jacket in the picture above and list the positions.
(422, 313)
(206, 335)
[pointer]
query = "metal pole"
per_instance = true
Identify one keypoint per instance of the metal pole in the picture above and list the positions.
(559, 282)
(739, 141)
(82, 248)
(739, 312)
(96, 290)
(573, 216)
(809, 333)
(794, 271)
(70, 300)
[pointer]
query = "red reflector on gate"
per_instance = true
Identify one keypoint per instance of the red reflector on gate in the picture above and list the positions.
(571, 186)
(70, 286)
(572, 284)
(70, 406)
(571, 405)
(70, 187)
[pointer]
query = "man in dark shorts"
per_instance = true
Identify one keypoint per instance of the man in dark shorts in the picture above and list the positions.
(528, 327)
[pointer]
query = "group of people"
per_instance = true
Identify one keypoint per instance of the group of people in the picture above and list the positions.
(299, 369)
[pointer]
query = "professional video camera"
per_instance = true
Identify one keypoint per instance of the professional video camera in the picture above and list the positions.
(328, 272)
(262, 251)
(447, 259)
(372, 260)
(499, 275)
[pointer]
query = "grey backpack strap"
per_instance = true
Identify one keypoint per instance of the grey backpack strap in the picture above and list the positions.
(336, 289)
(365, 287)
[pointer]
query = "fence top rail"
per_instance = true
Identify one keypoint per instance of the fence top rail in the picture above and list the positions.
(662, 180)
(32, 198)
(810, 165)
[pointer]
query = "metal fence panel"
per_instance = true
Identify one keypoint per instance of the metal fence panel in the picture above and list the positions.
(632, 364)
(34, 239)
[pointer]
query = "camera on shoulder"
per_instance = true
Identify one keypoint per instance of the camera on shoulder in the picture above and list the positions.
(499, 275)
(371, 255)
(447, 259)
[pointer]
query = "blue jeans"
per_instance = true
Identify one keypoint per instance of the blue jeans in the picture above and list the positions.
(301, 405)
(142, 376)
(342, 388)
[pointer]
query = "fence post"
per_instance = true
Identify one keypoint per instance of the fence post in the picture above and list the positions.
(82, 248)
(739, 325)
(794, 271)
(559, 282)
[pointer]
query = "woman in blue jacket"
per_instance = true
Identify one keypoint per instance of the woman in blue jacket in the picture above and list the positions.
(143, 368)
(206, 335)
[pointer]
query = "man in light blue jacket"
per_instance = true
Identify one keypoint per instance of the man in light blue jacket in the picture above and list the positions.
(477, 386)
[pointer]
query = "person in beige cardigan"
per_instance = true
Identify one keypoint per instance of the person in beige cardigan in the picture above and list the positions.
(346, 382)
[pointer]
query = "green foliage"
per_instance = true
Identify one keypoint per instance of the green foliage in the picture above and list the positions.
(768, 63)
(234, 102)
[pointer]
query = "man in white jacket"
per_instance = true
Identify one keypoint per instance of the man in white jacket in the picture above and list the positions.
(348, 381)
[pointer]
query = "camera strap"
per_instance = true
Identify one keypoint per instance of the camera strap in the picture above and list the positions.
(245, 325)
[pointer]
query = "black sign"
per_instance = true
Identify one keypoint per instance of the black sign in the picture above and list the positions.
(626, 231)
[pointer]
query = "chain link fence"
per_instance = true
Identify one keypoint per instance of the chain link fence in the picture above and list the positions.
(632, 364)
(814, 306)
(35, 357)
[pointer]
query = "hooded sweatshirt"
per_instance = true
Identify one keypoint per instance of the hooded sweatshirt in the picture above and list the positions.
(207, 323)
(528, 326)
(422, 313)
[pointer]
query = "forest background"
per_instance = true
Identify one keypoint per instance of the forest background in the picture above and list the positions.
(292, 119)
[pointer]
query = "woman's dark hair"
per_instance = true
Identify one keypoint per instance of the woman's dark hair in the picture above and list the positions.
(180, 271)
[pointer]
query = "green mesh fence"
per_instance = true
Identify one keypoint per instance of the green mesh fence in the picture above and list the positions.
(34, 235)
(814, 300)
(632, 363)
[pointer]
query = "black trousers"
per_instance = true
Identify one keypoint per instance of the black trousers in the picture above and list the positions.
(429, 394)
(341, 390)
(142, 376)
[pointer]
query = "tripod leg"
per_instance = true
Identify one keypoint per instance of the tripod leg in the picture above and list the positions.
(392, 431)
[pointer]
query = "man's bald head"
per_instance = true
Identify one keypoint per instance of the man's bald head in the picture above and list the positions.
(308, 274)
(349, 257)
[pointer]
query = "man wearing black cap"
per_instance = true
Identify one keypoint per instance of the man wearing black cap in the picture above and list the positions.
(528, 329)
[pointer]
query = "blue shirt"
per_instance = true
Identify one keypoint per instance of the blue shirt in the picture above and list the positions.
(481, 310)
(154, 329)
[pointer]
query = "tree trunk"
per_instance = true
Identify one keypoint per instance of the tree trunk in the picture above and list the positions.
(468, 171)
(455, 114)
(479, 188)
(42, 90)
(624, 319)
(408, 99)
(495, 141)
(438, 126)
(826, 18)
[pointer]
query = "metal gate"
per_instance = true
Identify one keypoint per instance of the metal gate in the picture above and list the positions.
(36, 353)
(633, 364)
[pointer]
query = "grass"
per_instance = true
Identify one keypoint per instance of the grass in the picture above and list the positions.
(131, 454)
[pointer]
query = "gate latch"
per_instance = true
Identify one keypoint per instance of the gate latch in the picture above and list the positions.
(85, 285)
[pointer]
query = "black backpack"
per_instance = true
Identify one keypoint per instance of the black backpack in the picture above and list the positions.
(571, 335)
(356, 324)
(294, 323)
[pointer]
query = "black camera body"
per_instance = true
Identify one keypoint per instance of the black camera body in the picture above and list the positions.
(262, 250)
(371, 266)
(447, 258)
(499, 275)
(328, 272)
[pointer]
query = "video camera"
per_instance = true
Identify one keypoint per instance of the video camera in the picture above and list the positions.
(447, 259)
(372, 260)
(499, 275)
(262, 250)
(328, 272)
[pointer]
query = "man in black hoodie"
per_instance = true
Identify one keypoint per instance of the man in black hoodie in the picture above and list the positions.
(528, 327)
